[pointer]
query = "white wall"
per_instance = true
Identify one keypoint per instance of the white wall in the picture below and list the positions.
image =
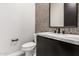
(16, 21)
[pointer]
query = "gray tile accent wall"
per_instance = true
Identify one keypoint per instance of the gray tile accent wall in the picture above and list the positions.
(42, 20)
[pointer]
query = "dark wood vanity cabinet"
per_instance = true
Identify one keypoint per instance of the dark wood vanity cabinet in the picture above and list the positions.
(52, 47)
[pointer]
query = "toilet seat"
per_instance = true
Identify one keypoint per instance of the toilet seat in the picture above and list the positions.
(29, 44)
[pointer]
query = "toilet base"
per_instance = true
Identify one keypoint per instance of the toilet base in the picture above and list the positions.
(30, 53)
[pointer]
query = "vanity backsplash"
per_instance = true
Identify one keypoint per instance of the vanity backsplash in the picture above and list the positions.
(42, 20)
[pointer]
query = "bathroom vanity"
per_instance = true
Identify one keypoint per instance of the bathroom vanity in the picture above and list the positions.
(54, 44)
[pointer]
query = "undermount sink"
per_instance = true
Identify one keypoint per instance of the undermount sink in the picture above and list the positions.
(72, 35)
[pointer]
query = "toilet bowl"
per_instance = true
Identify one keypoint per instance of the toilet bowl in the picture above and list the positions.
(29, 48)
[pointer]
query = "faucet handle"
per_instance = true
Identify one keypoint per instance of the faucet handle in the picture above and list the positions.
(54, 31)
(63, 32)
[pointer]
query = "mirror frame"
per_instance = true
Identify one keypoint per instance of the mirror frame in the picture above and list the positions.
(63, 26)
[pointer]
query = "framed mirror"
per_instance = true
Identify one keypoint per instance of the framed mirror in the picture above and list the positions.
(63, 14)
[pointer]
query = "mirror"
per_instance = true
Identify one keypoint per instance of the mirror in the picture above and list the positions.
(63, 14)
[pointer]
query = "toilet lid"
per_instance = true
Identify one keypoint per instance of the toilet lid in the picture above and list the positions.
(29, 44)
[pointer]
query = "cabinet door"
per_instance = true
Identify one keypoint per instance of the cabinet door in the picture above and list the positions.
(70, 14)
(48, 47)
(44, 48)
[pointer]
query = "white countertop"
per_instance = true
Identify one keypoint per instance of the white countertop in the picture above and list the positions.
(69, 38)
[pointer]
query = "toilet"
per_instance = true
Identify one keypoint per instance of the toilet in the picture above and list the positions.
(29, 48)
